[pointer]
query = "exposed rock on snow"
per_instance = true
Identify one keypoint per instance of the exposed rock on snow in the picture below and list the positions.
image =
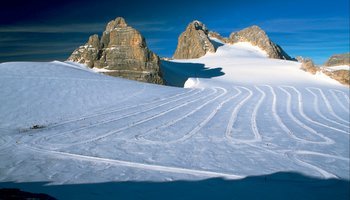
(257, 37)
(194, 42)
(338, 59)
(308, 65)
(121, 49)
(341, 75)
(337, 67)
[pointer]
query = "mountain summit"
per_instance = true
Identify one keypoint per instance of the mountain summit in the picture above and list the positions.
(122, 51)
(258, 37)
(196, 41)
(338, 59)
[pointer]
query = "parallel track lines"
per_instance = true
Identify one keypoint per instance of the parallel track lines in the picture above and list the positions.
(233, 117)
(304, 126)
(346, 109)
(133, 124)
(329, 107)
(124, 116)
(302, 113)
(170, 123)
(317, 110)
(199, 126)
(98, 114)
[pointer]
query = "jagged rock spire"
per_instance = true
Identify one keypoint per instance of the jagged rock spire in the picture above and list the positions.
(123, 51)
(194, 42)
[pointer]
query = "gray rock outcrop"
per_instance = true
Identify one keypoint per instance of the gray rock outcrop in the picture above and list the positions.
(194, 42)
(338, 59)
(122, 51)
(257, 37)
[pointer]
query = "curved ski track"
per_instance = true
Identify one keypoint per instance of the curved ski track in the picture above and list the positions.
(198, 99)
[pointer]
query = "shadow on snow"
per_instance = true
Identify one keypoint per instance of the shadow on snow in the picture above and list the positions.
(282, 185)
(176, 74)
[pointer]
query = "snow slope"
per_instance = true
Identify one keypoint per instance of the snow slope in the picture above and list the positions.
(240, 115)
(339, 67)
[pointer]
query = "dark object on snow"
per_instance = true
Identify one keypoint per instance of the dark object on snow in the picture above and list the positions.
(36, 126)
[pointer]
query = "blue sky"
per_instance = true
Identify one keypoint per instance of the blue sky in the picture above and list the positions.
(51, 30)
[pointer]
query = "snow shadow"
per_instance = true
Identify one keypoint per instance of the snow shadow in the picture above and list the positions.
(216, 44)
(176, 74)
(282, 185)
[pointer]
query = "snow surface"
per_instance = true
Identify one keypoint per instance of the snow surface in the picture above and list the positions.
(339, 67)
(240, 115)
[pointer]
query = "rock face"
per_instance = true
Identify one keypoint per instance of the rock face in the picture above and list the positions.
(339, 59)
(342, 76)
(122, 51)
(257, 37)
(194, 42)
(308, 65)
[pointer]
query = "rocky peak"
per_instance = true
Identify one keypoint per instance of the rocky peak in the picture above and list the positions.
(338, 59)
(119, 22)
(122, 51)
(198, 26)
(94, 41)
(257, 37)
(194, 42)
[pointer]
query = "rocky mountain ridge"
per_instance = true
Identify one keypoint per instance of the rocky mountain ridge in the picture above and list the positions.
(338, 59)
(258, 37)
(121, 51)
(195, 41)
(340, 75)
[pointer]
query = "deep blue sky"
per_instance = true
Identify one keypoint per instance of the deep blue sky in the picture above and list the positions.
(52, 29)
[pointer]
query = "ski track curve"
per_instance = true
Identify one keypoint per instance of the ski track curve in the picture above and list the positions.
(233, 117)
(301, 124)
(253, 121)
(293, 155)
(254, 125)
(318, 112)
(134, 123)
(346, 109)
(172, 122)
(283, 125)
(153, 167)
(123, 116)
(197, 128)
(305, 152)
(329, 107)
(346, 97)
(101, 112)
(302, 113)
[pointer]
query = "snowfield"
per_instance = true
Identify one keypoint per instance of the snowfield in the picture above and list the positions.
(240, 115)
(339, 67)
